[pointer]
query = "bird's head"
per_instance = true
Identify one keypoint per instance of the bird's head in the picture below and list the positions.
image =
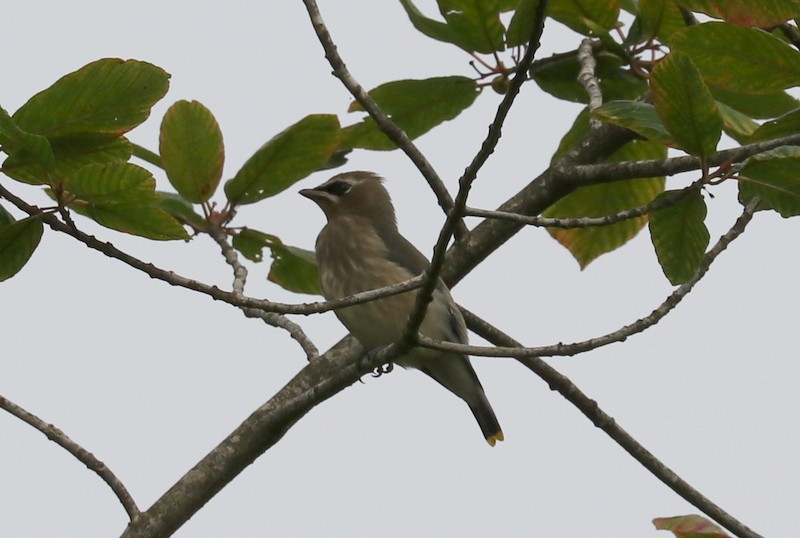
(359, 194)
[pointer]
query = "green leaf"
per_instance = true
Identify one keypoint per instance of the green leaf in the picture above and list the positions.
(430, 27)
(761, 14)
(757, 105)
(71, 154)
(638, 117)
(650, 17)
(292, 268)
(109, 96)
(739, 59)
(416, 106)
(143, 219)
(738, 126)
(680, 236)
(476, 22)
(520, 28)
(685, 105)
(473, 25)
(191, 150)
(588, 17)
(6, 218)
(574, 136)
(18, 240)
(121, 196)
(773, 177)
(17, 142)
(586, 244)
(786, 125)
(288, 157)
(295, 269)
(181, 209)
(560, 78)
(112, 183)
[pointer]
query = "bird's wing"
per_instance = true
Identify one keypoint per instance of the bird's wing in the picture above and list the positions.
(403, 253)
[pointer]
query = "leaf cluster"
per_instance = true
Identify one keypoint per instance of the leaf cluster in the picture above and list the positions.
(677, 84)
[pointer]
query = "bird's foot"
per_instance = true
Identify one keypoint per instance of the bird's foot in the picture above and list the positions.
(383, 369)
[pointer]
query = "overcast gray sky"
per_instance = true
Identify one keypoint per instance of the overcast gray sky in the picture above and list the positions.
(150, 378)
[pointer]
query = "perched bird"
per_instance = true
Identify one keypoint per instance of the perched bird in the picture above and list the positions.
(360, 249)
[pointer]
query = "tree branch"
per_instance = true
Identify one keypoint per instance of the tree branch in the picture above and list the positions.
(239, 280)
(591, 410)
(174, 279)
(619, 335)
(488, 146)
(606, 172)
(81, 454)
(384, 122)
(588, 79)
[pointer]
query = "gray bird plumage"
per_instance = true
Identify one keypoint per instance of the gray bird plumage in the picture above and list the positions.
(361, 249)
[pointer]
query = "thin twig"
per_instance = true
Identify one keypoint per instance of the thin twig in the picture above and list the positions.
(425, 294)
(619, 335)
(587, 78)
(239, 281)
(608, 424)
(660, 202)
(215, 293)
(81, 454)
(231, 258)
(384, 122)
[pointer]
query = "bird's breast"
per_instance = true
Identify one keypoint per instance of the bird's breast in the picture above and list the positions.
(352, 259)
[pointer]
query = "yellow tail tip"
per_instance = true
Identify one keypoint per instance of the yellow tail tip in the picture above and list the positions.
(492, 439)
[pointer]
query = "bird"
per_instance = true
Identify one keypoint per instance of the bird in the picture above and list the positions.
(361, 249)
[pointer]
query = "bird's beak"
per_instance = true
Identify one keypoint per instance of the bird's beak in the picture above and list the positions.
(311, 194)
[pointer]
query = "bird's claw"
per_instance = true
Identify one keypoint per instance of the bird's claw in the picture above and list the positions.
(383, 369)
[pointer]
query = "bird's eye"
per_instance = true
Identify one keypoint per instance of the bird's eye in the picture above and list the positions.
(337, 188)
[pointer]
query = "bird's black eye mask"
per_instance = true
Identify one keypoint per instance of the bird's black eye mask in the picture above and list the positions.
(337, 188)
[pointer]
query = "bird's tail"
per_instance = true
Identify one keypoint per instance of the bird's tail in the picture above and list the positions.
(456, 374)
(487, 420)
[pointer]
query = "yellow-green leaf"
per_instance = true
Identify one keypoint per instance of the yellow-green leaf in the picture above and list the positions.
(588, 17)
(109, 96)
(288, 157)
(24, 145)
(738, 126)
(740, 59)
(112, 183)
(773, 177)
(18, 240)
(586, 244)
(680, 236)
(757, 105)
(145, 220)
(758, 13)
(685, 105)
(71, 154)
(191, 150)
